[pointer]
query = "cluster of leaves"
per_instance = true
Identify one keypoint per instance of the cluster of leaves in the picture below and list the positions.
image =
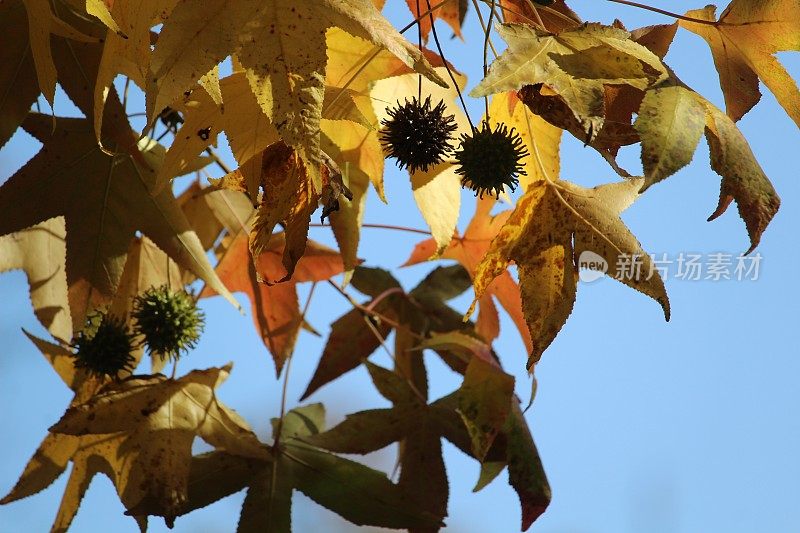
(93, 221)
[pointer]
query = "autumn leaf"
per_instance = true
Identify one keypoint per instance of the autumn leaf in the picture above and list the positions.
(484, 402)
(437, 191)
(359, 494)
(452, 13)
(275, 308)
(17, 69)
(744, 42)
(538, 236)
(143, 429)
(469, 250)
(247, 128)
(412, 420)
(41, 252)
(104, 200)
(42, 23)
(671, 120)
(620, 102)
(211, 211)
(575, 64)
(556, 17)
(290, 90)
(422, 311)
(126, 48)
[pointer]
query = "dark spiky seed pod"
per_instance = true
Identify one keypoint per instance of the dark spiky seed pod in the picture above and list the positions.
(104, 346)
(418, 135)
(489, 160)
(170, 322)
(545, 2)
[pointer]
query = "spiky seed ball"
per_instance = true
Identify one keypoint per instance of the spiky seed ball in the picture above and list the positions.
(489, 160)
(104, 346)
(170, 322)
(418, 135)
(545, 2)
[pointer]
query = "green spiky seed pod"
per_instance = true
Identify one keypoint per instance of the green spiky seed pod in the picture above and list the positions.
(170, 322)
(418, 135)
(489, 160)
(104, 346)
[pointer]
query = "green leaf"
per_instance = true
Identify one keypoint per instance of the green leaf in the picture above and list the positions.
(670, 124)
(443, 283)
(484, 402)
(359, 494)
(373, 281)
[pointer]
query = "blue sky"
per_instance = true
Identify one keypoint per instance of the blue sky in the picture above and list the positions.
(642, 425)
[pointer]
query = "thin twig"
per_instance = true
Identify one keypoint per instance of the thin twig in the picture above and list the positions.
(288, 369)
(664, 12)
(217, 160)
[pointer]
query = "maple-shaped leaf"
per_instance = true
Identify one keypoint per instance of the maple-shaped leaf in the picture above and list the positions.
(211, 211)
(41, 252)
(744, 42)
(248, 129)
(575, 64)
(42, 23)
(422, 311)
(469, 250)
(17, 70)
(104, 200)
(275, 308)
(140, 432)
(620, 101)
(56, 450)
(357, 493)
(484, 402)
(437, 191)
(356, 149)
(671, 120)
(126, 47)
(411, 420)
(551, 226)
(289, 88)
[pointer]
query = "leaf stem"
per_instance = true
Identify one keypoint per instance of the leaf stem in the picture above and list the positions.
(664, 12)
(447, 67)
(380, 226)
(288, 369)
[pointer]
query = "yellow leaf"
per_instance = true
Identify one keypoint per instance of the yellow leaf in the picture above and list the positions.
(542, 139)
(42, 23)
(575, 64)
(247, 128)
(670, 123)
(140, 433)
(437, 192)
(539, 235)
(743, 42)
(287, 79)
(41, 251)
